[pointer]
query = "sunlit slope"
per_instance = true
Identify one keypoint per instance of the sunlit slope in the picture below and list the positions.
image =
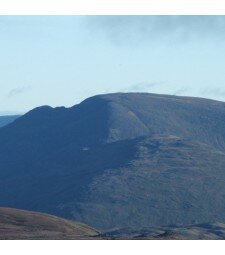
(20, 224)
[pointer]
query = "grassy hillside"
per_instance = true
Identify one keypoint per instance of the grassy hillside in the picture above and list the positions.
(20, 224)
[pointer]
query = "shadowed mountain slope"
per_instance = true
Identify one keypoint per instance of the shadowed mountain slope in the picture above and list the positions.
(118, 160)
(168, 181)
(20, 224)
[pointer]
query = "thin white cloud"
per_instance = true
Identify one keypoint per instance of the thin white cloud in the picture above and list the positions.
(140, 29)
(143, 86)
(16, 91)
(213, 92)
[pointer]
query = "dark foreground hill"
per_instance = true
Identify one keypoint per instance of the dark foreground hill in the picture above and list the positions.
(20, 224)
(5, 120)
(118, 160)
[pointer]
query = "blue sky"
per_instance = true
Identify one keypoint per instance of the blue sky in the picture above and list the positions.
(61, 60)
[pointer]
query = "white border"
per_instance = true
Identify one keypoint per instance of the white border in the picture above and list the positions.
(143, 247)
(111, 7)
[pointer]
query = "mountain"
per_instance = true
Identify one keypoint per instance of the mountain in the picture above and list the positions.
(118, 160)
(19, 224)
(5, 120)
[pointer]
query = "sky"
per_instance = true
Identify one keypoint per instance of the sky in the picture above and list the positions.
(61, 60)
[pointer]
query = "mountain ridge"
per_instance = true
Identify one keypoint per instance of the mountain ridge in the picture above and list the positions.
(116, 120)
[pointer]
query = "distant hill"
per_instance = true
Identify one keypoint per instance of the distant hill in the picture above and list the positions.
(20, 224)
(5, 120)
(118, 160)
